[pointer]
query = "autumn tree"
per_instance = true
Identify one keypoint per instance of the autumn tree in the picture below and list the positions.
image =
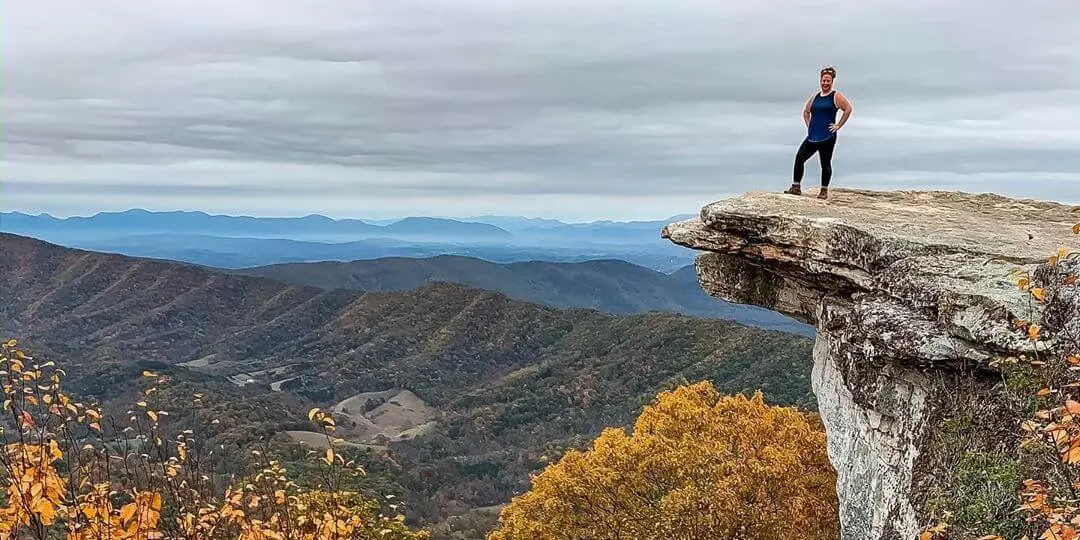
(698, 465)
(69, 472)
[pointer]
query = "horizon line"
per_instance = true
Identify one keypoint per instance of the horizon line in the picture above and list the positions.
(469, 218)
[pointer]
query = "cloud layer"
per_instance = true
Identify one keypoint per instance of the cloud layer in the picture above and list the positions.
(567, 109)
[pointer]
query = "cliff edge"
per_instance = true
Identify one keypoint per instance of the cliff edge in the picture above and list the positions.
(912, 295)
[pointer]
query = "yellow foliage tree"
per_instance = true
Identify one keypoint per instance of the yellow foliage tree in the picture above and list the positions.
(62, 475)
(698, 465)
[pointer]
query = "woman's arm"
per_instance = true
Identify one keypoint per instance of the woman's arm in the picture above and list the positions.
(844, 105)
(806, 111)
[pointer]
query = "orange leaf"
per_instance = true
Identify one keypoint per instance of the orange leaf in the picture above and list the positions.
(1059, 532)
(1037, 502)
(1073, 407)
(933, 531)
(1060, 436)
(1033, 332)
(1072, 456)
(45, 511)
(1039, 293)
(1043, 392)
(128, 512)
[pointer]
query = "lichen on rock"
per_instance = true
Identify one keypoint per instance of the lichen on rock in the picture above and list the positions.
(906, 289)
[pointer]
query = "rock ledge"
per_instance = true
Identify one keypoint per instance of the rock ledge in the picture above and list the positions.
(896, 283)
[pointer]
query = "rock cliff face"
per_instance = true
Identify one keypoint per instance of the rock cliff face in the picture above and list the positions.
(905, 289)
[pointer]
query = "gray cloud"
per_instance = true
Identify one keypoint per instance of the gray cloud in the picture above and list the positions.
(576, 110)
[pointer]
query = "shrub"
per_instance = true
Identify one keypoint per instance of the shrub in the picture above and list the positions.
(69, 472)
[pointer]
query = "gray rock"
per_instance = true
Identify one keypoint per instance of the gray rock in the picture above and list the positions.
(900, 285)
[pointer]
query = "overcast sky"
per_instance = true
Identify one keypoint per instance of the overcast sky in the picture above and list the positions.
(579, 110)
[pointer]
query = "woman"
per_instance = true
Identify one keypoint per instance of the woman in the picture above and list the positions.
(819, 115)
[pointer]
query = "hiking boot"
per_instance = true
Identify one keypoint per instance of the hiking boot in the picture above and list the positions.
(795, 189)
(824, 193)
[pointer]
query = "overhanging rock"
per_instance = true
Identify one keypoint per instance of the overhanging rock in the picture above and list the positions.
(899, 285)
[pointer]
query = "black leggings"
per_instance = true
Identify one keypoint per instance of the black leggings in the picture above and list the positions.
(824, 150)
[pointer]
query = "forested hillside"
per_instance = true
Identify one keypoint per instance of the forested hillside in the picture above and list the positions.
(513, 384)
(611, 286)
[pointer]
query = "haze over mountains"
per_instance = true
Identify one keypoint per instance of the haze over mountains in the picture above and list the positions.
(508, 383)
(611, 286)
(483, 229)
(140, 222)
(616, 267)
(238, 242)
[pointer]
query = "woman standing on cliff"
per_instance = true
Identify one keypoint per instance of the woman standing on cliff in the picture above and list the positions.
(819, 115)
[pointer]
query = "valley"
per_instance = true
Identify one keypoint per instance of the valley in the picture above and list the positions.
(454, 394)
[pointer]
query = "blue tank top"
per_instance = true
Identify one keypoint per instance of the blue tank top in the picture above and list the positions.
(822, 113)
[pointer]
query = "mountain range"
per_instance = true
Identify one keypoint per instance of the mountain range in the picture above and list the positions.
(142, 222)
(229, 252)
(509, 384)
(618, 276)
(240, 241)
(488, 228)
(610, 286)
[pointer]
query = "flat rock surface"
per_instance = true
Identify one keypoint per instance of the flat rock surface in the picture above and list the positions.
(982, 223)
(927, 259)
